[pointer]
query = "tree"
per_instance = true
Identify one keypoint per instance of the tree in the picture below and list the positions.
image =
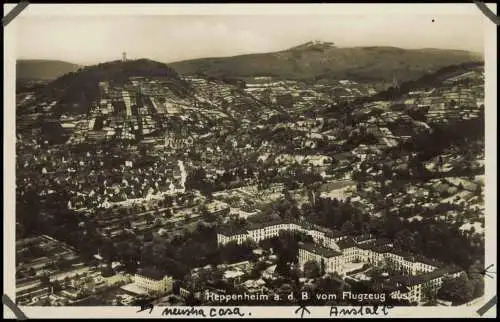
(312, 269)
(29, 211)
(429, 295)
(479, 190)
(197, 179)
(476, 278)
(56, 286)
(404, 240)
(149, 219)
(457, 290)
(45, 279)
(191, 300)
(67, 280)
(313, 186)
(257, 268)
(148, 236)
(348, 228)
(282, 267)
(331, 283)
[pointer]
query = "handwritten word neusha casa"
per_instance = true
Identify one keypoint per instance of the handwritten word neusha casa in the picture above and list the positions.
(202, 312)
(361, 310)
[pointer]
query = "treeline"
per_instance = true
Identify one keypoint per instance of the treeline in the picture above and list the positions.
(29, 85)
(428, 80)
(175, 255)
(442, 137)
(235, 81)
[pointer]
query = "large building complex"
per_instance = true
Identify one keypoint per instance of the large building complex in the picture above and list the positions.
(361, 249)
(339, 253)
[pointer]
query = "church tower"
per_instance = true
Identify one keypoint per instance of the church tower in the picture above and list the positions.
(124, 56)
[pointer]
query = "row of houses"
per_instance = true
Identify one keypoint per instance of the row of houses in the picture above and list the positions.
(261, 231)
(371, 251)
(416, 289)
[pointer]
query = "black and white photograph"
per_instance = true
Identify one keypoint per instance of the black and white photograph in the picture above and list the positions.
(204, 163)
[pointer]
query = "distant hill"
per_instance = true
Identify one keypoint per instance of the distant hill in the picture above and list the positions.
(75, 91)
(33, 69)
(323, 60)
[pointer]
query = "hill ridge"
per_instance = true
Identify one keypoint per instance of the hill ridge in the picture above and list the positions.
(324, 60)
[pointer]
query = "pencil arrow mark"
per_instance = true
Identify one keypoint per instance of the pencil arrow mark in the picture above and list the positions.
(145, 307)
(146, 304)
(302, 309)
(486, 271)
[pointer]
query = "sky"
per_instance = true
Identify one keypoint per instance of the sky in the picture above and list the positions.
(168, 38)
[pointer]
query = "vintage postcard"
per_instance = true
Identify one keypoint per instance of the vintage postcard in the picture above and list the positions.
(250, 161)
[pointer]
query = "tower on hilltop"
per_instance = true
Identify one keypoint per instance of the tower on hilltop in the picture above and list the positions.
(124, 56)
(395, 82)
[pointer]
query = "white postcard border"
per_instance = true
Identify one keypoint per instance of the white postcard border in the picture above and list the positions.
(245, 9)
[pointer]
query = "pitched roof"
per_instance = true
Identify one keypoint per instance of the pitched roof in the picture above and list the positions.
(382, 248)
(386, 286)
(366, 246)
(409, 280)
(362, 238)
(433, 275)
(428, 261)
(346, 243)
(151, 272)
(232, 231)
(334, 234)
(403, 254)
(453, 269)
(383, 241)
(259, 225)
(319, 250)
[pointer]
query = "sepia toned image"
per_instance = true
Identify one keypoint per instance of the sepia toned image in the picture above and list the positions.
(236, 162)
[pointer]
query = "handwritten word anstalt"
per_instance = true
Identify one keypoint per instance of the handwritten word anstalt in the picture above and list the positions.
(361, 310)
